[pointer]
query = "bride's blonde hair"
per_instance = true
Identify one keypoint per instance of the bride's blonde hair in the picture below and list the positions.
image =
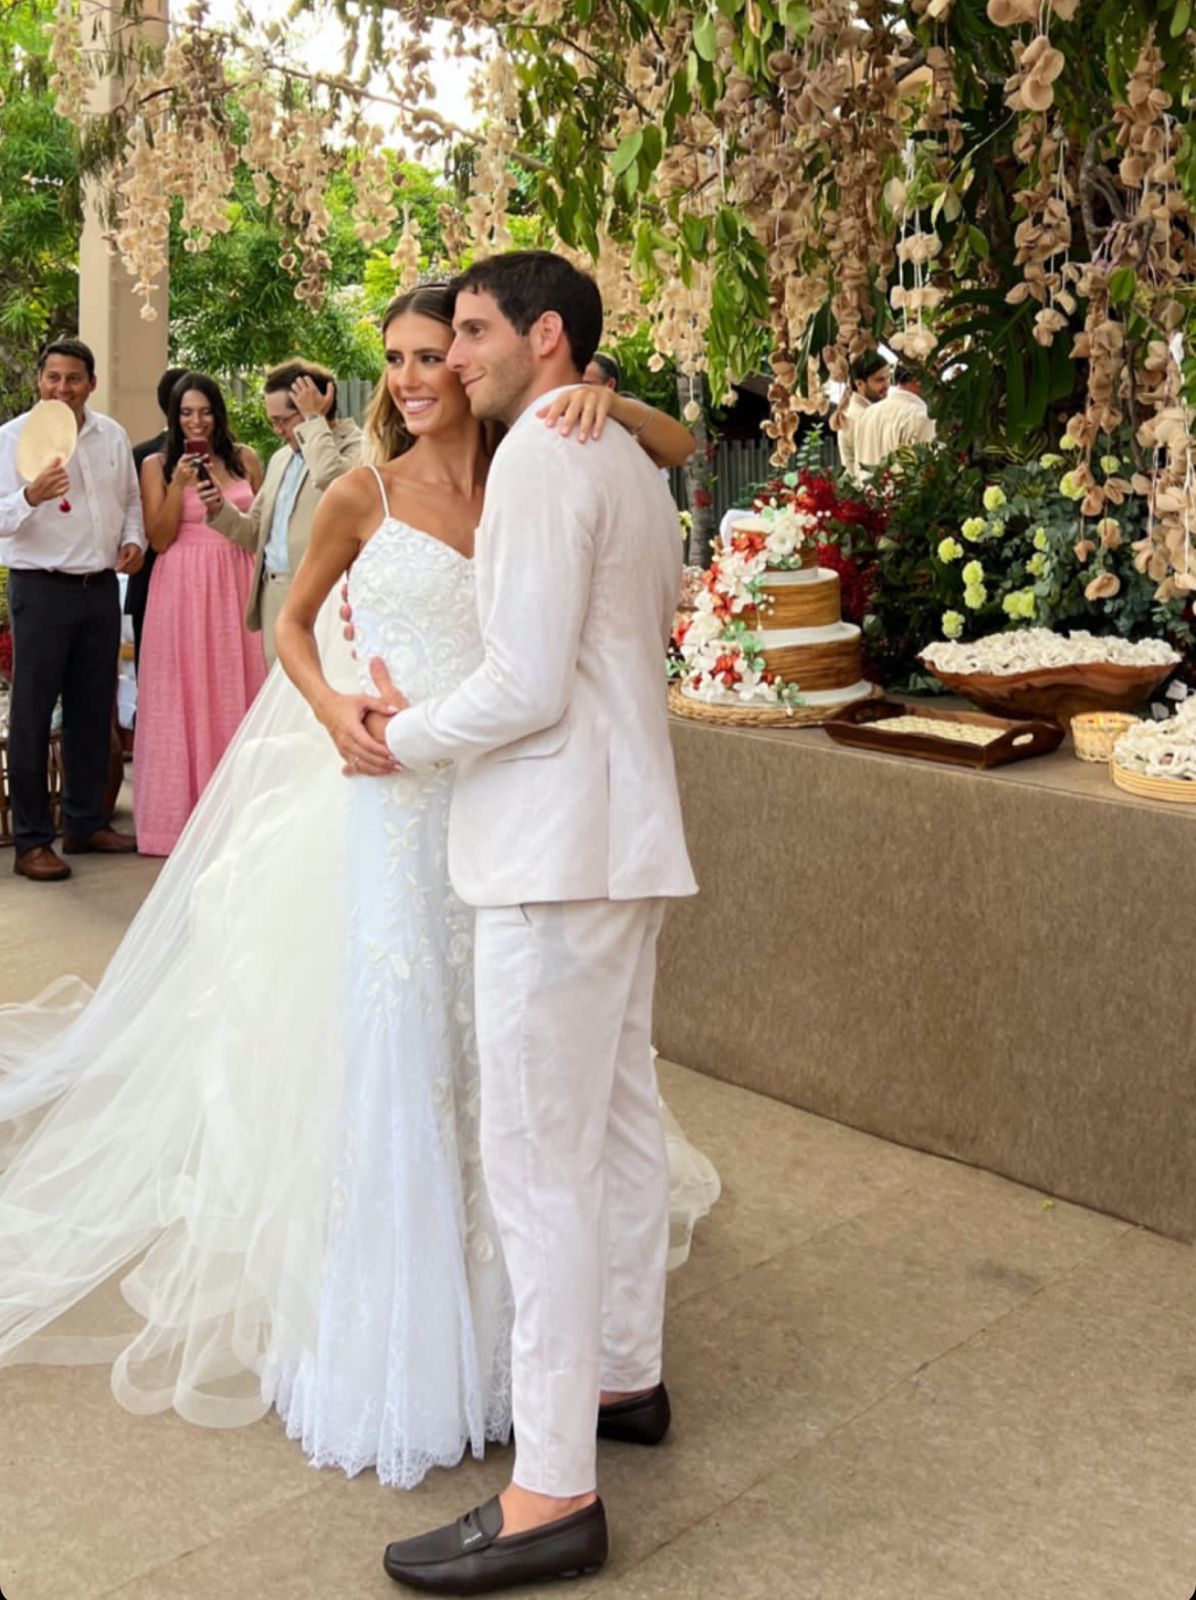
(386, 435)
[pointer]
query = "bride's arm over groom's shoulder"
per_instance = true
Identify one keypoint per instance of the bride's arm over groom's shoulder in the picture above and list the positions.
(537, 541)
(585, 408)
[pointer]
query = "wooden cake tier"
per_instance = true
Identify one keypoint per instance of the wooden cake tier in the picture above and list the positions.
(797, 605)
(834, 664)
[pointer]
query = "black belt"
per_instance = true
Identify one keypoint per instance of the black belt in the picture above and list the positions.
(79, 579)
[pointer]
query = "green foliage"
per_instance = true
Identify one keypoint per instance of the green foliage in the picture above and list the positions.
(635, 356)
(935, 550)
(602, 177)
(40, 207)
(233, 307)
(247, 418)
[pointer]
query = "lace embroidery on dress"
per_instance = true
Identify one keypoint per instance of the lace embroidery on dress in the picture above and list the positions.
(412, 1360)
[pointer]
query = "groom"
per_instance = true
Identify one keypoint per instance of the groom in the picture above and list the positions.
(566, 834)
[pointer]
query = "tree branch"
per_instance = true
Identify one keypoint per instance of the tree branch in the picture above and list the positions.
(1091, 184)
(642, 17)
(558, 37)
(914, 64)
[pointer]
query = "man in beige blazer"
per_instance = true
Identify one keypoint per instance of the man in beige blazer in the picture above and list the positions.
(301, 404)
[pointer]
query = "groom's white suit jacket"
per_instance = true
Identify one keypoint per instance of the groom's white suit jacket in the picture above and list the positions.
(565, 787)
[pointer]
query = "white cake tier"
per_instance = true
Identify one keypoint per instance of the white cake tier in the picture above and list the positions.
(836, 697)
(780, 638)
(776, 578)
(718, 696)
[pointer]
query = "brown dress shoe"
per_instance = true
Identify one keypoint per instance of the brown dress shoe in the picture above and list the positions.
(104, 841)
(41, 865)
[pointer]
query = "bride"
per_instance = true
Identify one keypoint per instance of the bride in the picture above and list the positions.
(266, 1116)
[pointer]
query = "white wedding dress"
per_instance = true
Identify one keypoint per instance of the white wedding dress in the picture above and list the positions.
(266, 1117)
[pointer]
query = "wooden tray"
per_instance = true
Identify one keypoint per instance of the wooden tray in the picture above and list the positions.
(1178, 791)
(863, 728)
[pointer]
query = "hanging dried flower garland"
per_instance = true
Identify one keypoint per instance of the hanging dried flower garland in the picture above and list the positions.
(781, 183)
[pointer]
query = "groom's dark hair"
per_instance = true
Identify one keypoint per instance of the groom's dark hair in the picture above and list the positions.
(527, 283)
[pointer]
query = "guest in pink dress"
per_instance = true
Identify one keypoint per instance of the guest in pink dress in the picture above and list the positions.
(200, 666)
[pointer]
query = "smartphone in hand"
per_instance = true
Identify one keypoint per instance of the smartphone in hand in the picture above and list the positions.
(203, 450)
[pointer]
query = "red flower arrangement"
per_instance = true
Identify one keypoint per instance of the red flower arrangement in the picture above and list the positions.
(6, 654)
(818, 496)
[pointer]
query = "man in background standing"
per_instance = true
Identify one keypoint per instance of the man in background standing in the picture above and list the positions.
(869, 385)
(319, 448)
(899, 420)
(64, 537)
(137, 588)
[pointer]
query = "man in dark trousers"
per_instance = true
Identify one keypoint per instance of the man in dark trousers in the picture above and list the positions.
(137, 588)
(64, 537)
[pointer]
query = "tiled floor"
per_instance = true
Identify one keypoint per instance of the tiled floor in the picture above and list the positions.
(893, 1377)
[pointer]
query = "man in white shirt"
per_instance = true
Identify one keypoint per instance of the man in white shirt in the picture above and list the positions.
(64, 537)
(318, 448)
(899, 420)
(870, 375)
(565, 832)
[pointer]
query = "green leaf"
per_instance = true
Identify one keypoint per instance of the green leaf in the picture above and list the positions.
(1015, 393)
(1183, 15)
(693, 231)
(796, 18)
(653, 147)
(1039, 396)
(627, 152)
(679, 102)
(1122, 284)
(726, 228)
(979, 243)
(705, 42)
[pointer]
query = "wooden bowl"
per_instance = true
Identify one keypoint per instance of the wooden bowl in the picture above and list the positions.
(1060, 693)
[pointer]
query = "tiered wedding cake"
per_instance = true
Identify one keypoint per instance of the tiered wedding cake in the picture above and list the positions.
(767, 628)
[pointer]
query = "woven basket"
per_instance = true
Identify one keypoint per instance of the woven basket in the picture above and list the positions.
(760, 716)
(1096, 732)
(1178, 791)
(54, 777)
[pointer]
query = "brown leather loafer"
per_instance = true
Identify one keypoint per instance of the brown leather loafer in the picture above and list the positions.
(644, 1419)
(104, 842)
(470, 1557)
(41, 865)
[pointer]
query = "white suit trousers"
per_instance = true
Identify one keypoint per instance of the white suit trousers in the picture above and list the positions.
(574, 1155)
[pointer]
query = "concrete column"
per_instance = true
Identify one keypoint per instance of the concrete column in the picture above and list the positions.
(130, 352)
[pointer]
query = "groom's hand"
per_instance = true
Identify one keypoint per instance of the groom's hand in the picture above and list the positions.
(363, 749)
(392, 700)
(346, 614)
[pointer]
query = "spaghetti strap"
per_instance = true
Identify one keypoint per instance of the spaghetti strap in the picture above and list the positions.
(381, 491)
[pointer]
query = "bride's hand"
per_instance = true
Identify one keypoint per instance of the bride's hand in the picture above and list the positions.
(363, 752)
(586, 406)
